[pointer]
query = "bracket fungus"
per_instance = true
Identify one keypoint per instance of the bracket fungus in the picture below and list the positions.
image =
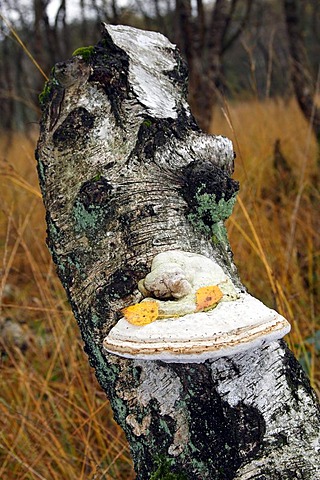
(191, 312)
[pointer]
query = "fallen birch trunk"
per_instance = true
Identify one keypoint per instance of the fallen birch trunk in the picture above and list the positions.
(126, 175)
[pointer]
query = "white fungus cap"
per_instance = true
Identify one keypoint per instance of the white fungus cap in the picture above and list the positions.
(232, 327)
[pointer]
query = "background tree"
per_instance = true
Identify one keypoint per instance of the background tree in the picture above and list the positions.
(232, 47)
(305, 87)
(204, 37)
(208, 36)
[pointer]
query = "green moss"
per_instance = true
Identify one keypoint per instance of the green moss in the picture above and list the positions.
(48, 88)
(46, 92)
(97, 177)
(85, 52)
(164, 471)
(147, 123)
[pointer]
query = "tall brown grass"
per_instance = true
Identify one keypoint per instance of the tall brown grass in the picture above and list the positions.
(274, 231)
(55, 422)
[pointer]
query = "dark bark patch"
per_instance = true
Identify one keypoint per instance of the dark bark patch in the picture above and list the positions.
(102, 305)
(75, 129)
(95, 192)
(153, 134)
(236, 433)
(210, 194)
(121, 283)
(247, 428)
(296, 377)
(161, 431)
(281, 439)
(147, 211)
(94, 209)
(140, 270)
(110, 70)
(179, 74)
(208, 177)
(141, 212)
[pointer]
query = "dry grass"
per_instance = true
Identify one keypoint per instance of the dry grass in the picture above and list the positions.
(55, 422)
(274, 231)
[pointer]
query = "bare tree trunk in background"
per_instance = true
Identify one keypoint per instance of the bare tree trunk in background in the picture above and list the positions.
(115, 11)
(38, 41)
(7, 88)
(186, 39)
(204, 62)
(183, 13)
(203, 44)
(46, 45)
(201, 25)
(301, 75)
(315, 6)
(121, 162)
(160, 19)
(61, 27)
(212, 83)
(83, 23)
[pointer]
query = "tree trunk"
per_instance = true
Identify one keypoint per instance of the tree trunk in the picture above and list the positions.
(205, 61)
(213, 82)
(121, 164)
(301, 75)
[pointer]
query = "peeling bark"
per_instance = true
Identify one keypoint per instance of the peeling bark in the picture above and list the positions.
(120, 162)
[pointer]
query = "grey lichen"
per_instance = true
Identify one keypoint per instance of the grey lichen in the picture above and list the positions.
(86, 219)
(210, 214)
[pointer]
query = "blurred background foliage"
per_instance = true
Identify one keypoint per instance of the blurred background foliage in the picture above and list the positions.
(234, 48)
